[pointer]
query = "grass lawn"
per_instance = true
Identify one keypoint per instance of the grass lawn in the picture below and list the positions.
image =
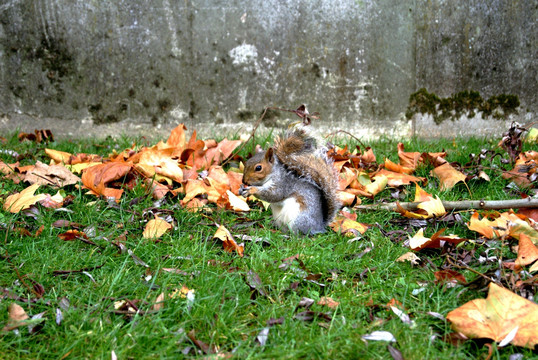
(240, 307)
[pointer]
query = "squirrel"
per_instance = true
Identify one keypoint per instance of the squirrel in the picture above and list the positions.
(298, 180)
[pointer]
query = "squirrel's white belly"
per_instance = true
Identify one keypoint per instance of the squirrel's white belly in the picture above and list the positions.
(286, 211)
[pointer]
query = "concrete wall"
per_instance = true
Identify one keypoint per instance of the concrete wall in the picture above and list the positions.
(135, 65)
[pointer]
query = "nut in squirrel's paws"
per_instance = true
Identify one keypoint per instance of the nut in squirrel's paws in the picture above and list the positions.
(245, 191)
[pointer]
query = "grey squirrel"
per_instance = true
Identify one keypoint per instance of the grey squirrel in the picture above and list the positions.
(297, 179)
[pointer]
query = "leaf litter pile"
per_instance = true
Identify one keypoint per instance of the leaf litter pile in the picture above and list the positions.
(149, 251)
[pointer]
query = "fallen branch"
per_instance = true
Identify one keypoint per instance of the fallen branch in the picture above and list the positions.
(459, 205)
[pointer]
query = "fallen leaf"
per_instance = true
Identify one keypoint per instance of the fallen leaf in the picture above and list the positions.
(23, 200)
(408, 159)
(379, 336)
(52, 175)
(496, 316)
(450, 276)
(328, 301)
(16, 317)
(237, 203)
(347, 226)
(228, 241)
(409, 256)
(448, 176)
(155, 228)
(527, 252)
(97, 177)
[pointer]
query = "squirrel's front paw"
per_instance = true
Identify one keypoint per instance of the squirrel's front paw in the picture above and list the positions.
(246, 191)
(243, 191)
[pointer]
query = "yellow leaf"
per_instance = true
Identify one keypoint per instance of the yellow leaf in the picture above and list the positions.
(59, 157)
(156, 228)
(433, 207)
(379, 183)
(496, 316)
(23, 200)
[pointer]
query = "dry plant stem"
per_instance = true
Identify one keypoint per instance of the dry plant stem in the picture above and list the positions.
(258, 122)
(465, 267)
(460, 205)
(30, 288)
(347, 133)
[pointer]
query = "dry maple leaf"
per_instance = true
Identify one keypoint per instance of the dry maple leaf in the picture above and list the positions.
(448, 176)
(408, 159)
(527, 252)
(16, 317)
(53, 175)
(397, 179)
(347, 226)
(496, 316)
(155, 228)
(409, 256)
(228, 241)
(328, 301)
(23, 200)
(96, 177)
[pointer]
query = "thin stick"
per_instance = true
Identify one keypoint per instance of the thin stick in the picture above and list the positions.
(347, 133)
(251, 135)
(465, 267)
(459, 205)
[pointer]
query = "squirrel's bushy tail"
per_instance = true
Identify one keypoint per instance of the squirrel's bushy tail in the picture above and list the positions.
(299, 152)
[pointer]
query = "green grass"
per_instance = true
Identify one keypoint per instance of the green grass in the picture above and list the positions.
(227, 313)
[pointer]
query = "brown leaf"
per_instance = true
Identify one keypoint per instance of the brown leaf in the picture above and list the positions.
(328, 301)
(53, 175)
(448, 275)
(16, 317)
(496, 316)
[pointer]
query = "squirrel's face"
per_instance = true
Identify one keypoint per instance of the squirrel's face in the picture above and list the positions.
(258, 168)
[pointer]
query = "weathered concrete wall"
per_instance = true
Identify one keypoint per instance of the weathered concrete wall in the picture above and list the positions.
(137, 65)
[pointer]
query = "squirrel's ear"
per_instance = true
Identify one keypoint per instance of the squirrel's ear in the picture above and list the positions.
(269, 155)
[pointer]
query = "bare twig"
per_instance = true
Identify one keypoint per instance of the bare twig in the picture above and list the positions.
(460, 205)
(258, 122)
(347, 133)
(466, 267)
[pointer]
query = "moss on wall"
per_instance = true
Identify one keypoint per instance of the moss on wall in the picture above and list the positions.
(467, 102)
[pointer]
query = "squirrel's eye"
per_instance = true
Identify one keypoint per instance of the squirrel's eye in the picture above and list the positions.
(258, 168)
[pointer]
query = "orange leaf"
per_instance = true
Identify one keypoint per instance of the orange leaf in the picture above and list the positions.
(177, 137)
(23, 200)
(527, 252)
(71, 235)
(396, 179)
(408, 159)
(389, 165)
(347, 226)
(421, 195)
(59, 157)
(448, 176)
(96, 177)
(228, 241)
(496, 316)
